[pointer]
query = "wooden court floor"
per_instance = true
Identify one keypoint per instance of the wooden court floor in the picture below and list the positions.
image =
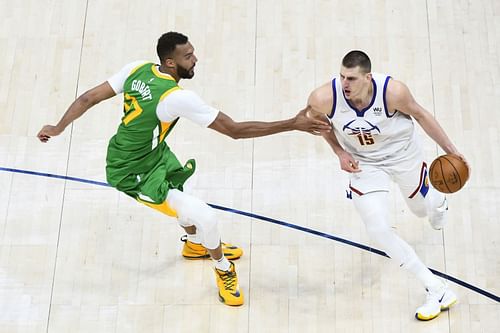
(78, 256)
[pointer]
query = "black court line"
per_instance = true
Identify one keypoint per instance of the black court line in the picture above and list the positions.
(274, 221)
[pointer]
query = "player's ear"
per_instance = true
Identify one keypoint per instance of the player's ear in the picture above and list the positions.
(170, 63)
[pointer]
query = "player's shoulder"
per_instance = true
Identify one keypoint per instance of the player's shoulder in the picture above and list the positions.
(396, 89)
(134, 65)
(180, 96)
(321, 98)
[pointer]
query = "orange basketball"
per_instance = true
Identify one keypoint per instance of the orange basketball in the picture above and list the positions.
(448, 173)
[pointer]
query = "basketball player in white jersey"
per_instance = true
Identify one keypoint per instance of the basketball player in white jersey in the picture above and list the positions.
(375, 140)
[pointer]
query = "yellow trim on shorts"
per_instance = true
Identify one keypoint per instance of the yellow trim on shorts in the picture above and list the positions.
(164, 128)
(160, 74)
(162, 208)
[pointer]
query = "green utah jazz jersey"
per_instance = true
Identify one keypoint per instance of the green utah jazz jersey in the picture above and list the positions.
(139, 143)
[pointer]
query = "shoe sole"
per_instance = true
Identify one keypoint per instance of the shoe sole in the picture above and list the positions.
(197, 257)
(443, 308)
(224, 301)
(207, 256)
(447, 307)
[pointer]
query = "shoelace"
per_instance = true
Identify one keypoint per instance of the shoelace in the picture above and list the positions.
(229, 279)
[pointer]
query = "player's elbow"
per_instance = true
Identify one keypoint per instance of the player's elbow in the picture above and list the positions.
(225, 125)
(229, 131)
(233, 129)
(88, 99)
(235, 134)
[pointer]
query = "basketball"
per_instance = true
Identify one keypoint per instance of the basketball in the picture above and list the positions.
(448, 173)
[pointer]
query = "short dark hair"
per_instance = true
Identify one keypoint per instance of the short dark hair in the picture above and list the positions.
(357, 58)
(167, 43)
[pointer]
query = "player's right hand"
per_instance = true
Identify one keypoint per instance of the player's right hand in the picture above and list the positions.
(47, 132)
(348, 163)
(312, 122)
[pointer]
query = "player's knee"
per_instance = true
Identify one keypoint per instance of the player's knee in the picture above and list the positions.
(202, 215)
(378, 231)
(433, 199)
(206, 223)
(372, 208)
(206, 217)
(184, 222)
(192, 210)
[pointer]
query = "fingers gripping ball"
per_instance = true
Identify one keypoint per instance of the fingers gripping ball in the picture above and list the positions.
(448, 173)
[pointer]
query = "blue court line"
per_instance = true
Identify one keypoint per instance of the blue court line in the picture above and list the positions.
(278, 222)
(50, 175)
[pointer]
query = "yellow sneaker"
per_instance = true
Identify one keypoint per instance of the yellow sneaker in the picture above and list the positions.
(197, 251)
(229, 290)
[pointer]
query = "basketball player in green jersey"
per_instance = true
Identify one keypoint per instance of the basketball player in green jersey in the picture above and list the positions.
(140, 163)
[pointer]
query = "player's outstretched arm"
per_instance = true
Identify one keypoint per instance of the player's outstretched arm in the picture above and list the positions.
(76, 109)
(252, 129)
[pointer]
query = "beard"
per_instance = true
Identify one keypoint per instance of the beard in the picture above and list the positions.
(185, 73)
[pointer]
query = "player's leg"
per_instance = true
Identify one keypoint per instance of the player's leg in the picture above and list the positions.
(157, 184)
(424, 200)
(373, 208)
(194, 249)
(370, 197)
(161, 188)
(193, 212)
(195, 216)
(193, 242)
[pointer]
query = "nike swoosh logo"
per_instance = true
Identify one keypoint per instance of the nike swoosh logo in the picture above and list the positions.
(441, 299)
(236, 294)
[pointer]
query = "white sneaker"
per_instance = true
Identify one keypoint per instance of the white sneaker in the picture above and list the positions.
(436, 302)
(439, 217)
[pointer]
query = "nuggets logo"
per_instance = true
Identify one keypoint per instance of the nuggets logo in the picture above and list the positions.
(362, 129)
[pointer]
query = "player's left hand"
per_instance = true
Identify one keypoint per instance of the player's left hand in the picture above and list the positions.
(347, 162)
(462, 157)
(312, 122)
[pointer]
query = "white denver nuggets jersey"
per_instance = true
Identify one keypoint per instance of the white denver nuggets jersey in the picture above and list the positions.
(371, 134)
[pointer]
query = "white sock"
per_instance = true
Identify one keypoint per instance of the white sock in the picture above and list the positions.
(429, 280)
(193, 238)
(222, 264)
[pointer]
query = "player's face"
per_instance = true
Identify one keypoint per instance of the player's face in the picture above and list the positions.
(354, 81)
(185, 60)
